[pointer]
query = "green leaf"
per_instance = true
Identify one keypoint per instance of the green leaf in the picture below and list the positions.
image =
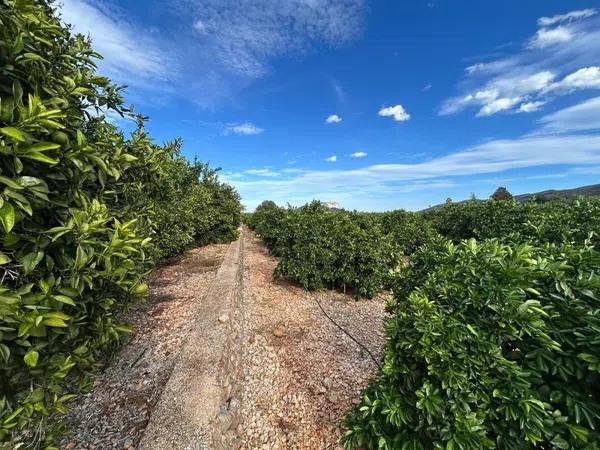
(33, 57)
(4, 352)
(27, 181)
(17, 91)
(7, 217)
(560, 442)
(18, 165)
(37, 156)
(10, 183)
(41, 147)
(55, 322)
(9, 299)
(13, 133)
(4, 258)
(31, 358)
(31, 260)
(14, 415)
(64, 299)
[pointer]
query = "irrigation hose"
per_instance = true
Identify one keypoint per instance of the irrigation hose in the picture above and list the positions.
(375, 360)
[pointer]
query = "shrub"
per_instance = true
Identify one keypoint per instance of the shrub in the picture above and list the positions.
(79, 202)
(476, 219)
(190, 206)
(409, 230)
(548, 222)
(498, 348)
(68, 259)
(318, 248)
(273, 225)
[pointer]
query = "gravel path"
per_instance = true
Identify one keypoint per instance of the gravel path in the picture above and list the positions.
(301, 373)
(114, 414)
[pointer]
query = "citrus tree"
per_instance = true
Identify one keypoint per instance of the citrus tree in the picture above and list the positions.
(79, 206)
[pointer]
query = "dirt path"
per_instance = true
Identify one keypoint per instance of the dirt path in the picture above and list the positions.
(115, 413)
(301, 373)
(253, 356)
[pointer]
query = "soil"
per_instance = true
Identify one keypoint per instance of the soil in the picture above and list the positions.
(114, 414)
(300, 372)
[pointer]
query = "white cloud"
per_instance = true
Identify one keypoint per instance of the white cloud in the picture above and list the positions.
(397, 112)
(371, 186)
(562, 56)
(246, 128)
(546, 37)
(239, 39)
(568, 17)
(529, 107)
(262, 172)
(581, 117)
(500, 104)
(501, 94)
(358, 155)
(333, 118)
(585, 78)
(209, 50)
(427, 87)
(332, 158)
(131, 54)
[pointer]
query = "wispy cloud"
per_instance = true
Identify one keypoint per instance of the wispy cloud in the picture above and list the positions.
(581, 117)
(232, 43)
(131, 54)
(397, 112)
(200, 26)
(332, 158)
(358, 155)
(568, 17)
(427, 87)
(338, 89)
(246, 128)
(371, 186)
(218, 47)
(262, 172)
(333, 118)
(547, 37)
(585, 78)
(560, 58)
(529, 107)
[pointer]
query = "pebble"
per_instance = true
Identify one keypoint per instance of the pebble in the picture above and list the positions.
(278, 332)
(333, 397)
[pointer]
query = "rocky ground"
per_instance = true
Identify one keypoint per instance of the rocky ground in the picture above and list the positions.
(301, 372)
(115, 413)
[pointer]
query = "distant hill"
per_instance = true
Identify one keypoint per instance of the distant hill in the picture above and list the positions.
(593, 190)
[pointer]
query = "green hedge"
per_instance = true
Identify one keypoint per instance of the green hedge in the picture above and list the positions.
(548, 221)
(497, 347)
(318, 248)
(191, 207)
(82, 216)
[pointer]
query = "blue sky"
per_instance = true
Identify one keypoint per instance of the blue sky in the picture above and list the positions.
(376, 105)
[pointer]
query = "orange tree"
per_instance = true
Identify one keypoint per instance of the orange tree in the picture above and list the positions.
(79, 203)
(490, 345)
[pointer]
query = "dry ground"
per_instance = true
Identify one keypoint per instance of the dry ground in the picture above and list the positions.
(115, 413)
(301, 372)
